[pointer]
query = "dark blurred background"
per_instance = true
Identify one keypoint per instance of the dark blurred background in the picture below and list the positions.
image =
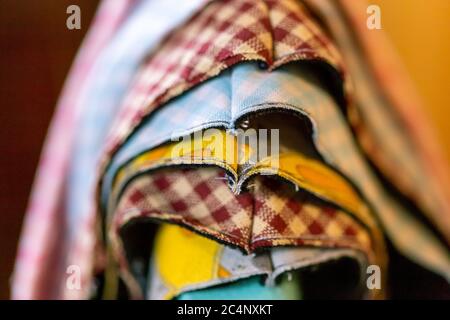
(36, 52)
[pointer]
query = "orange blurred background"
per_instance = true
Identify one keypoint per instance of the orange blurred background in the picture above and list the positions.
(420, 31)
(36, 51)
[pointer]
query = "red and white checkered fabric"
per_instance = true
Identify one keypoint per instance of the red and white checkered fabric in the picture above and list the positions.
(223, 34)
(271, 213)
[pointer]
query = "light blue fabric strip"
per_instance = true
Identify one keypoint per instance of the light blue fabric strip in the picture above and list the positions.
(253, 288)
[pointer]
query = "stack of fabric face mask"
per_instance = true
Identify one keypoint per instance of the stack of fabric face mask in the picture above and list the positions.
(238, 149)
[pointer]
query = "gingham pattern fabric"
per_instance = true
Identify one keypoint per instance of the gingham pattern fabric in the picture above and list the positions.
(159, 83)
(37, 259)
(144, 101)
(112, 75)
(399, 144)
(334, 141)
(271, 214)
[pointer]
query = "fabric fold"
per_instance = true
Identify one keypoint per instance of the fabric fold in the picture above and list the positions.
(183, 262)
(297, 90)
(270, 214)
(160, 94)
